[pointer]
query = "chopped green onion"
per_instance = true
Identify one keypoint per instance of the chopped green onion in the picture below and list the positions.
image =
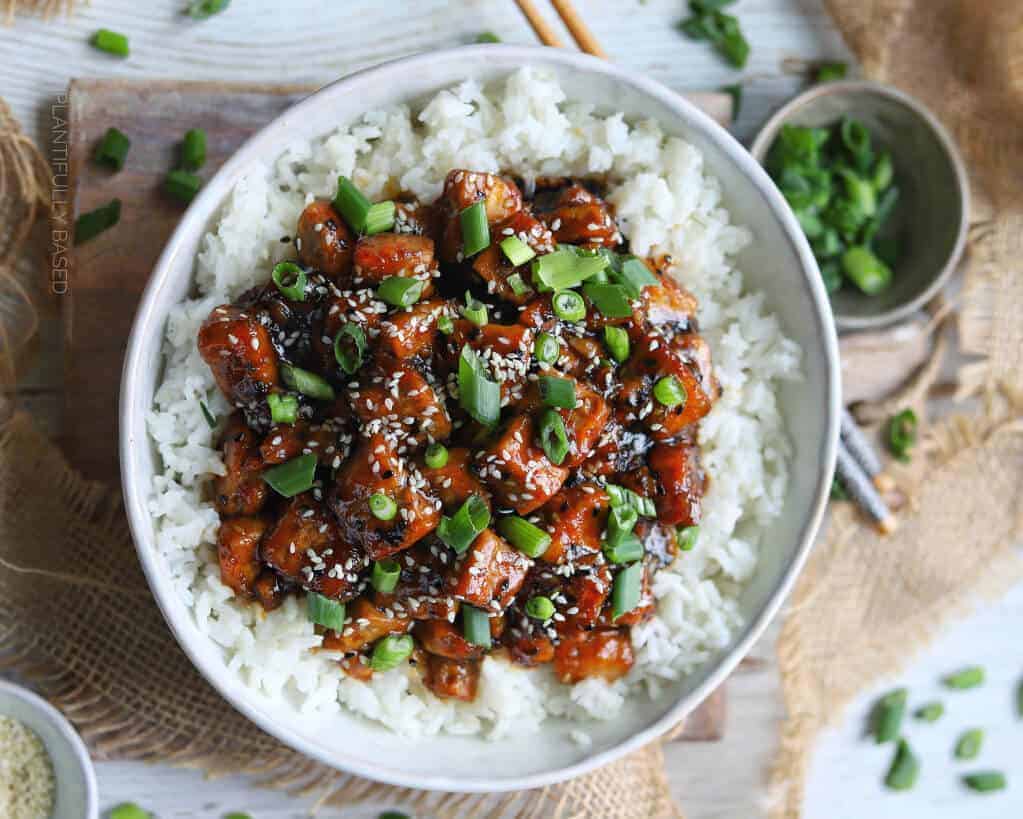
(289, 271)
(528, 538)
(620, 523)
(385, 575)
(436, 456)
(391, 652)
(620, 496)
(557, 392)
(831, 71)
(352, 204)
(904, 769)
(518, 285)
(617, 342)
(686, 536)
(445, 325)
(382, 506)
(283, 408)
(540, 608)
(193, 150)
(547, 348)
(380, 217)
(569, 305)
(478, 395)
(553, 437)
(611, 300)
(475, 230)
(736, 93)
(399, 291)
(860, 192)
(325, 612)
(837, 490)
(901, 434)
(721, 30)
(350, 347)
(306, 383)
(211, 419)
(487, 37)
(91, 224)
(565, 268)
(476, 626)
(517, 251)
(633, 275)
(128, 810)
(627, 590)
(182, 185)
(204, 9)
(237, 815)
(856, 139)
(111, 42)
(113, 149)
(985, 781)
(969, 743)
(931, 712)
(293, 477)
(670, 392)
(475, 310)
(884, 171)
(462, 528)
(970, 677)
(888, 716)
(627, 550)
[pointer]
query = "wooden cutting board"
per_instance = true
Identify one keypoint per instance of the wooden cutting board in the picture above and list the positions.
(109, 272)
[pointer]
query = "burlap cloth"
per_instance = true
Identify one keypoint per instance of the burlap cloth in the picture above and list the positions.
(77, 618)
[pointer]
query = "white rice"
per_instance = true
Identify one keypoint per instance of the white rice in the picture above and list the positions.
(665, 203)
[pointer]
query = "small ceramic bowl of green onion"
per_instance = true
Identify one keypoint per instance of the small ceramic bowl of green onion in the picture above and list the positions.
(880, 190)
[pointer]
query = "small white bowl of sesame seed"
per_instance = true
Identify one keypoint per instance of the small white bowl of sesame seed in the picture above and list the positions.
(45, 769)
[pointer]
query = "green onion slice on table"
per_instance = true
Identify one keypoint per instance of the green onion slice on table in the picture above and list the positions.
(888, 716)
(905, 768)
(969, 677)
(113, 149)
(182, 185)
(111, 42)
(92, 224)
(193, 149)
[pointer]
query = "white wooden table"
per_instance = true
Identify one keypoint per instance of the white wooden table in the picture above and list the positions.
(315, 41)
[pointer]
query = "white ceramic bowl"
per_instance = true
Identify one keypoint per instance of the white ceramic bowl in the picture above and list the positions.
(74, 777)
(779, 262)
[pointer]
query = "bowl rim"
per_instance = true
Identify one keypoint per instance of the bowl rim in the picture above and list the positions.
(68, 735)
(138, 515)
(768, 132)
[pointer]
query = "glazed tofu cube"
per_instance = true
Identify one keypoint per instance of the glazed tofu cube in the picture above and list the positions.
(358, 307)
(582, 218)
(680, 483)
(454, 482)
(444, 639)
(325, 243)
(286, 441)
(452, 679)
(586, 593)
(375, 467)
(500, 196)
(365, 623)
(493, 266)
(303, 546)
(517, 470)
(237, 349)
(605, 653)
(241, 490)
(384, 255)
(238, 553)
(412, 332)
(394, 395)
(576, 519)
(489, 574)
(422, 592)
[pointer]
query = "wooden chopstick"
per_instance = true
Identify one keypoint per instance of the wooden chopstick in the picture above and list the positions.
(542, 28)
(573, 22)
(578, 29)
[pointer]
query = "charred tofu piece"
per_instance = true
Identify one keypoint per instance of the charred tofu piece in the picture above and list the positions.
(357, 667)
(375, 467)
(413, 216)
(529, 648)
(269, 590)
(669, 307)
(422, 592)
(238, 553)
(394, 395)
(443, 639)
(494, 267)
(303, 546)
(643, 611)
(575, 519)
(652, 359)
(582, 218)
(237, 349)
(506, 350)
(618, 449)
(586, 592)
(489, 574)
(602, 652)
(454, 482)
(365, 623)
(517, 470)
(327, 441)
(241, 490)
(500, 196)
(383, 255)
(358, 307)
(452, 679)
(325, 243)
(679, 481)
(584, 424)
(412, 332)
